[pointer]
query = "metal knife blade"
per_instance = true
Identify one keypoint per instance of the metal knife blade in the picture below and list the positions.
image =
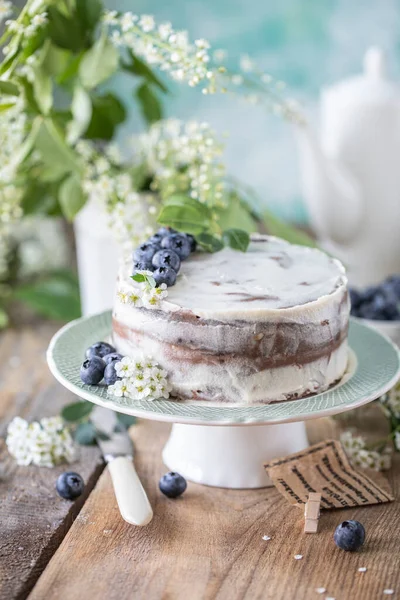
(119, 442)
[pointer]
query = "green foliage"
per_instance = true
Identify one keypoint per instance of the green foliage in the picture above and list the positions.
(126, 420)
(77, 411)
(56, 295)
(53, 148)
(185, 214)
(142, 278)
(139, 68)
(149, 103)
(275, 226)
(3, 318)
(107, 113)
(71, 197)
(8, 88)
(99, 62)
(85, 434)
(209, 243)
(236, 239)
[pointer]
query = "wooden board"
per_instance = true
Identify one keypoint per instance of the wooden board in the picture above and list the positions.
(208, 544)
(34, 519)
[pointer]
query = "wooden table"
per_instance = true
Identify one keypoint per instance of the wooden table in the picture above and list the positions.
(207, 544)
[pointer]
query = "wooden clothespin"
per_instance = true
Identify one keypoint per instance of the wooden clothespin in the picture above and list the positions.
(311, 513)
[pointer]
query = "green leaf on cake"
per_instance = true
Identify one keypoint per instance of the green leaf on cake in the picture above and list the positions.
(143, 278)
(236, 239)
(77, 411)
(185, 214)
(209, 242)
(98, 63)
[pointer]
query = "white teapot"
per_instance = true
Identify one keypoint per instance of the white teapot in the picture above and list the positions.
(351, 177)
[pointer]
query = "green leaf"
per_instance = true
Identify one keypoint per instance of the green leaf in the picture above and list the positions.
(275, 226)
(150, 105)
(77, 411)
(89, 12)
(71, 69)
(185, 214)
(81, 108)
(141, 278)
(4, 320)
(99, 62)
(56, 60)
(209, 242)
(42, 90)
(71, 197)
(141, 69)
(107, 113)
(236, 215)
(236, 239)
(6, 106)
(126, 420)
(85, 434)
(64, 31)
(8, 88)
(53, 148)
(55, 296)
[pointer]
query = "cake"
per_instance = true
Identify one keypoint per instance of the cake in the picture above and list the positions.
(261, 326)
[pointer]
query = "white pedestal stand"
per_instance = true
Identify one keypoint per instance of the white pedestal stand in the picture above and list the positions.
(231, 457)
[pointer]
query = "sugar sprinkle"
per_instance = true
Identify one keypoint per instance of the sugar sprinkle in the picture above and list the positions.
(388, 592)
(266, 538)
(362, 569)
(321, 590)
(298, 556)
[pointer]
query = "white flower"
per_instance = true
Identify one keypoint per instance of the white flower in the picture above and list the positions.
(152, 297)
(120, 388)
(45, 443)
(361, 456)
(246, 64)
(6, 9)
(146, 22)
(146, 380)
(128, 21)
(125, 367)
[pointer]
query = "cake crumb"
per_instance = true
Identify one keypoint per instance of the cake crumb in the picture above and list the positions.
(298, 556)
(362, 569)
(266, 538)
(321, 590)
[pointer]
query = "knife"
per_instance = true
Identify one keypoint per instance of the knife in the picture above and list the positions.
(117, 449)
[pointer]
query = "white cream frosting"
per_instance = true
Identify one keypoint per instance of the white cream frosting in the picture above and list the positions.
(272, 275)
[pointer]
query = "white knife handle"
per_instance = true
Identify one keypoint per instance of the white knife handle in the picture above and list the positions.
(131, 497)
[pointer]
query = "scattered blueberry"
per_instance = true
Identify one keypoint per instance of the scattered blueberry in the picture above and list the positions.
(145, 252)
(179, 243)
(99, 349)
(165, 275)
(172, 485)
(349, 535)
(378, 302)
(193, 243)
(167, 258)
(70, 485)
(355, 298)
(113, 356)
(110, 374)
(92, 370)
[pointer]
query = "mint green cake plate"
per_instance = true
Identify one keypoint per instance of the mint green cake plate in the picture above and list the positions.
(231, 453)
(373, 369)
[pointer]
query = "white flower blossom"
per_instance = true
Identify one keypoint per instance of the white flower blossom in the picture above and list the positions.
(360, 456)
(6, 9)
(125, 367)
(43, 443)
(146, 380)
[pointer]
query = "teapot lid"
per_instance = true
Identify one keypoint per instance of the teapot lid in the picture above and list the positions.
(370, 87)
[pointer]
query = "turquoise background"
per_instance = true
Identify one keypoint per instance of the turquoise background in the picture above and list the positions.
(307, 43)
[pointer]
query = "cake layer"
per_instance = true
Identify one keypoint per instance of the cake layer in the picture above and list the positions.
(229, 336)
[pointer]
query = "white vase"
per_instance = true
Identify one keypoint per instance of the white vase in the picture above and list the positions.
(98, 257)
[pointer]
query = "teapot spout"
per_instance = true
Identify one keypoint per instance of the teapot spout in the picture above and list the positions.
(331, 194)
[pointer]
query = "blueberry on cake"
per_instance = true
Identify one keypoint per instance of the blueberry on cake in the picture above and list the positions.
(266, 325)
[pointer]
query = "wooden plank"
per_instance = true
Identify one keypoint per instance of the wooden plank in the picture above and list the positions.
(33, 518)
(208, 544)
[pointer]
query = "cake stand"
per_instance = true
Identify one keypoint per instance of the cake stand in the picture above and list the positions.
(226, 445)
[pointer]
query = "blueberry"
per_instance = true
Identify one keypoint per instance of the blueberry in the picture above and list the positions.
(165, 275)
(167, 258)
(394, 283)
(156, 239)
(99, 349)
(355, 299)
(142, 265)
(70, 485)
(163, 231)
(192, 240)
(113, 356)
(179, 243)
(172, 485)
(349, 535)
(110, 374)
(368, 294)
(92, 370)
(145, 252)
